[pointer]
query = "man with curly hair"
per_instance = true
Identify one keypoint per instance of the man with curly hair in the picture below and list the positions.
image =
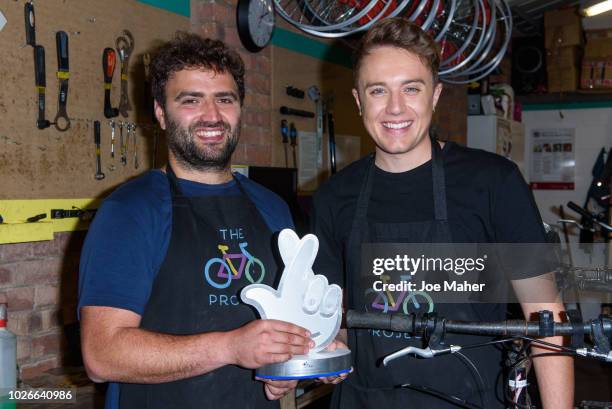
(169, 251)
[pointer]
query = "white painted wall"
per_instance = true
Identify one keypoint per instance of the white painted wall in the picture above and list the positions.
(599, 22)
(593, 131)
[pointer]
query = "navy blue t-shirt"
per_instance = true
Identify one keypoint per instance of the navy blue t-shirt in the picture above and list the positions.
(129, 238)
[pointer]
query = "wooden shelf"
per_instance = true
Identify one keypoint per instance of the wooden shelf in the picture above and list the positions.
(15, 229)
(580, 99)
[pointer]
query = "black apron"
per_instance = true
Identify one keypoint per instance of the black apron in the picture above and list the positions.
(193, 293)
(373, 385)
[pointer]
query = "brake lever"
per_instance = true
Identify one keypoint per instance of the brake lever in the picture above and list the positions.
(575, 223)
(420, 352)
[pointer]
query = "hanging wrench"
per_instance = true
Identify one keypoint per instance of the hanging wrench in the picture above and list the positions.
(136, 163)
(125, 47)
(122, 144)
(111, 123)
(61, 121)
(99, 175)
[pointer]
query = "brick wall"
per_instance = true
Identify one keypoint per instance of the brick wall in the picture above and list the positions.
(39, 282)
(218, 20)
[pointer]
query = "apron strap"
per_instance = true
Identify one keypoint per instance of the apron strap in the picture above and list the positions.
(177, 192)
(356, 233)
(439, 183)
(359, 234)
(175, 188)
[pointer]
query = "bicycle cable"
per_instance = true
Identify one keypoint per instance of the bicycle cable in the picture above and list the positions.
(444, 396)
(479, 380)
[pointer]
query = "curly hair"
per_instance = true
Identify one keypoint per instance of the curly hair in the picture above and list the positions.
(401, 33)
(190, 51)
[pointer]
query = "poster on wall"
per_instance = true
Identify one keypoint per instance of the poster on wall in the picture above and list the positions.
(552, 159)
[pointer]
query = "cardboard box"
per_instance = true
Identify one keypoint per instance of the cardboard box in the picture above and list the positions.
(563, 80)
(598, 44)
(563, 57)
(596, 74)
(598, 48)
(562, 28)
(598, 34)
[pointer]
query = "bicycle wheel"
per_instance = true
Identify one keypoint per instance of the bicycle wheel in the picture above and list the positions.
(262, 270)
(322, 15)
(499, 46)
(465, 36)
(376, 301)
(364, 23)
(223, 264)
(418, 302)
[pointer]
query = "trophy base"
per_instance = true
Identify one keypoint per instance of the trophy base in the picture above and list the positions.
(315, 365)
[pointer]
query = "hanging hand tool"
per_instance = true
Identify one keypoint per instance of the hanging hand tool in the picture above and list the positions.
(297, 112)
(127, 126)
(2, 24)
(111, 123)
(62, 122)
(285, 135)
(122, 144)
(41, 84)
(28, 11)
(315, 95)
(40, 77)
(99, 175)
(332, 141)
(293, 138)
(36, 218)
(294, 92)
(132, 128)
(125, 47)
(109, 61)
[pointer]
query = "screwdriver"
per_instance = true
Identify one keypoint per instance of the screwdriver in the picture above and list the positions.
(285, 135)
(293, 137)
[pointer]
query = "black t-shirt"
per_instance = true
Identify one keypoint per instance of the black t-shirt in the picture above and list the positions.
(487, 202)
(487, 199)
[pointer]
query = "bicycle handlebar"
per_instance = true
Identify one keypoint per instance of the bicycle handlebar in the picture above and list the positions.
(425, 325)
(585, 213)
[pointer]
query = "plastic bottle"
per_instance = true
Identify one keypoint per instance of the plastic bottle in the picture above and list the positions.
(8, 361)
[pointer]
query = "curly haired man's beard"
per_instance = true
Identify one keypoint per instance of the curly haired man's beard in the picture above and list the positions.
(182, 143)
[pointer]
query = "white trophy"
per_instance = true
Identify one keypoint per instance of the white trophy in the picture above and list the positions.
(307, 300)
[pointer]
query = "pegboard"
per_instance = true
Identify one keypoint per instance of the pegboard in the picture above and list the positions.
(293, 67)
(36, 164)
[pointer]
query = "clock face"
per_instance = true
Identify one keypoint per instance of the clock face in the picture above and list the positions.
(255, 23)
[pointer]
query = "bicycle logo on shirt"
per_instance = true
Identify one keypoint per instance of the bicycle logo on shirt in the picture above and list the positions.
(410, 301)
(223, 274)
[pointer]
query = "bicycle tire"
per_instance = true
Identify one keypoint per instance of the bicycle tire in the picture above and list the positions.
(210, 281)
(485, 32)
(325, 26)
(378, 294)
(247, 270)
(477, 73)
(347, 31)
(412, 295)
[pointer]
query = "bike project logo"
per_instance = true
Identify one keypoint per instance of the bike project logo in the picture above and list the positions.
(220, 272)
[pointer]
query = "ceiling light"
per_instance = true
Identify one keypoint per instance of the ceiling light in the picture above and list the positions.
(597, 8)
